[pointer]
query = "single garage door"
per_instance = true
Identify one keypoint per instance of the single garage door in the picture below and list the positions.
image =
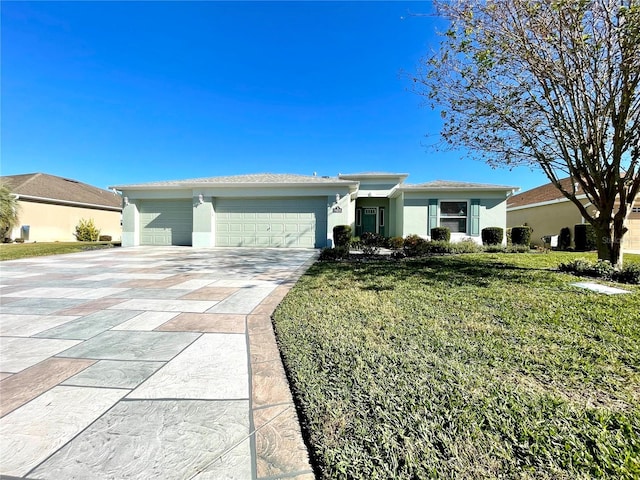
(631, 239)
(166, 222)
(300, 222)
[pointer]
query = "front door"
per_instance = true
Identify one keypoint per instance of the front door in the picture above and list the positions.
(369, 220)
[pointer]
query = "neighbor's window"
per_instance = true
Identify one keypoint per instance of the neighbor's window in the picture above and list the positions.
(453, 215)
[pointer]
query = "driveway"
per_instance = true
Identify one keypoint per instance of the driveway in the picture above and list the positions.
(147, 362)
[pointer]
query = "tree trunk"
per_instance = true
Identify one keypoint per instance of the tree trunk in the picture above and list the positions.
(609, 240)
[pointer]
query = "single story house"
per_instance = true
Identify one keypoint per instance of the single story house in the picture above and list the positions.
(281, 210)
(547, 211)
(50, 207)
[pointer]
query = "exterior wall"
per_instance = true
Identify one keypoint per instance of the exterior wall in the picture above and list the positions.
(546, 219)
(204, 214)
(492, 212)
(338, 213)
(203, 223)
(57, 223)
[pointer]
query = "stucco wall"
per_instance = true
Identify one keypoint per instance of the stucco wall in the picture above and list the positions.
(415, 212)
(57, 223)
(546, 219)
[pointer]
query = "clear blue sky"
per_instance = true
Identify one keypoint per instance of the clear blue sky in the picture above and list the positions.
(114, 93)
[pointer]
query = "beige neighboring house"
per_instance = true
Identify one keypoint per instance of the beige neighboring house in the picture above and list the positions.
(50, 207)
(547, 211)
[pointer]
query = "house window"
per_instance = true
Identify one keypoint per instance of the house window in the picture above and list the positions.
(358, 217)
(381, 217)
(453, 215)
(635, 210)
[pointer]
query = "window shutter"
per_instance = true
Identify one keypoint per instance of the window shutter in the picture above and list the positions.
(475, 216)
(433, 214)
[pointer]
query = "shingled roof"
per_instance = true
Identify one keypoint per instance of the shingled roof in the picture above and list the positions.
(543, 193)
(251, 179)
(51, 189)
(450, 185)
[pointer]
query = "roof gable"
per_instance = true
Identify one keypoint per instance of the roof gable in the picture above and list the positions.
(44, 186)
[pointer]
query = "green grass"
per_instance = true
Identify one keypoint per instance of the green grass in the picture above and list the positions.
(14, 251)
(470, 366)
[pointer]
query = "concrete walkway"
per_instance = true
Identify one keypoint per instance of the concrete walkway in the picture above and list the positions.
(147, 362)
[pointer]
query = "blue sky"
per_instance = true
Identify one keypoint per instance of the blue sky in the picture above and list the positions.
(125, 92)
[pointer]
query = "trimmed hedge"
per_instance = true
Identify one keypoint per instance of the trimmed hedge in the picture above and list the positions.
(521, 235)
(341, 235)
(492, 235)
(564, 239)
(440, 234)
(584, 237)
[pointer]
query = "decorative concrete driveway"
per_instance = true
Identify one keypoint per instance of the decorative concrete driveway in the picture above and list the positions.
(147, 362)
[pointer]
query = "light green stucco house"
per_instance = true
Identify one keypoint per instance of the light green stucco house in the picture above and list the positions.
(279, 210)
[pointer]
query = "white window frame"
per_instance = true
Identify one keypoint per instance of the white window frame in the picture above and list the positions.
(467, 217)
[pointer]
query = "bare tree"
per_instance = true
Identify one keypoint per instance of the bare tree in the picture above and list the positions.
(551, 84)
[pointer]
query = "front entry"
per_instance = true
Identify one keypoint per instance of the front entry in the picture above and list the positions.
(370, 219)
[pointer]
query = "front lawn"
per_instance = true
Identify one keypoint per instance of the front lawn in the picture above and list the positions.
(469, 366)
(13, 251)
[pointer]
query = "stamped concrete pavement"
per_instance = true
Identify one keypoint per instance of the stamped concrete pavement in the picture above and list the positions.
(147, 362)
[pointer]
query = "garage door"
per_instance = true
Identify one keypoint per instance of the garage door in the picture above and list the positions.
(298, 223)
(166, 222)
(632, 237)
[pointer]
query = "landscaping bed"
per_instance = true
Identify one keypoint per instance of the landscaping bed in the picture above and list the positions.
(465, 366)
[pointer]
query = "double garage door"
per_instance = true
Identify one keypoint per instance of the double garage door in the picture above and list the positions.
(300, 222)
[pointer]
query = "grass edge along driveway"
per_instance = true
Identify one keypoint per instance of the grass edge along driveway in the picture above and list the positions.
(469, 366)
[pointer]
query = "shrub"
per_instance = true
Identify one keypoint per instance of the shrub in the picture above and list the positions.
(492, 235)
(395, 243)
(465, 246)
(584, 237)
(19, 240)
(397, 255)
(564, 239)
(414, 245)
(521, 235)
(508, 235)
(105, 238)
(371, 243)
(341, 235)
(629, 274)
(356, 243)
(438, 247)
(86, 231)
(332, 254)
(440, 234)
(7, 240)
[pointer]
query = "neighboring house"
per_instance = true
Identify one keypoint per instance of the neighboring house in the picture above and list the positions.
(547, 211)
(279, 210)
(50, 207)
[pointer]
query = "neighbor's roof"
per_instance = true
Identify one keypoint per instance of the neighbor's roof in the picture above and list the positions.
(450, 185)
(45, 187)
(264, 179)
(544, 193)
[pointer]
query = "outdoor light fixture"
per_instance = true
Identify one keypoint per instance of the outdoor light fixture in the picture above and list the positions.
(337, 197)
(200, 199)
(126, 200)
